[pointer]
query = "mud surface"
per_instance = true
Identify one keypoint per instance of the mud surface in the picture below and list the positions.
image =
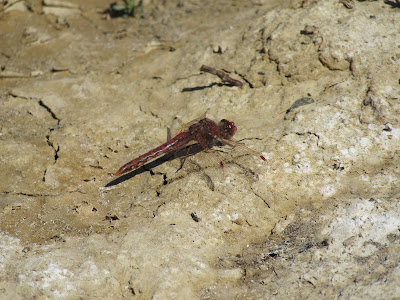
(82, 94)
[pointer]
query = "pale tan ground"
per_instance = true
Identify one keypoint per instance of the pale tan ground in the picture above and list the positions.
(81, 95)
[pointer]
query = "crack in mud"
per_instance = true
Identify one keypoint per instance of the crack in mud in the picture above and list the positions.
(53, 115)
(56, 149)
(44, 175)
(48, 141)
(246, 80)
(156, 210)
(257, 195)
(310, 133)
(41, 195)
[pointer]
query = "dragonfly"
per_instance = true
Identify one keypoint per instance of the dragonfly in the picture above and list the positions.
(203, 131)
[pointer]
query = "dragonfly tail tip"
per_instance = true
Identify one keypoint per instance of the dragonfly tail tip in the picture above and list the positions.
(119, 172)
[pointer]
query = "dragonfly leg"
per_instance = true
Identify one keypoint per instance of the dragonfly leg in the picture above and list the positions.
(216, 156)
(242, 148)
(207, 149)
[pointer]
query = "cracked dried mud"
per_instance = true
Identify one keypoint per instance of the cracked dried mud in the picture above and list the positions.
(82, 94)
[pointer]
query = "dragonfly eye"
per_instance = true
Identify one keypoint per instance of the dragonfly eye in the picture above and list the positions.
(228, 128)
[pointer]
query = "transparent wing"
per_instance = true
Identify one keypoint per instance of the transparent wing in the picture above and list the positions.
(178, 125)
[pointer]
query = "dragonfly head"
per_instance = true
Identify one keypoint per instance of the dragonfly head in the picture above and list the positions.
(228, 128)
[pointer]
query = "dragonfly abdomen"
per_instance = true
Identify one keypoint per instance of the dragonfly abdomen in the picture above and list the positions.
(174, 143)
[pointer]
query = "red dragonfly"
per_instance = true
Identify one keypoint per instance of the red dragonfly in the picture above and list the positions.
(202, 131)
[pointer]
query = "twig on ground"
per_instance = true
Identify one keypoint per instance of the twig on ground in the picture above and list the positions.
(224, 77)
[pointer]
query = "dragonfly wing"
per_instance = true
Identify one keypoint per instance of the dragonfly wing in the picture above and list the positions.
(179, 125)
